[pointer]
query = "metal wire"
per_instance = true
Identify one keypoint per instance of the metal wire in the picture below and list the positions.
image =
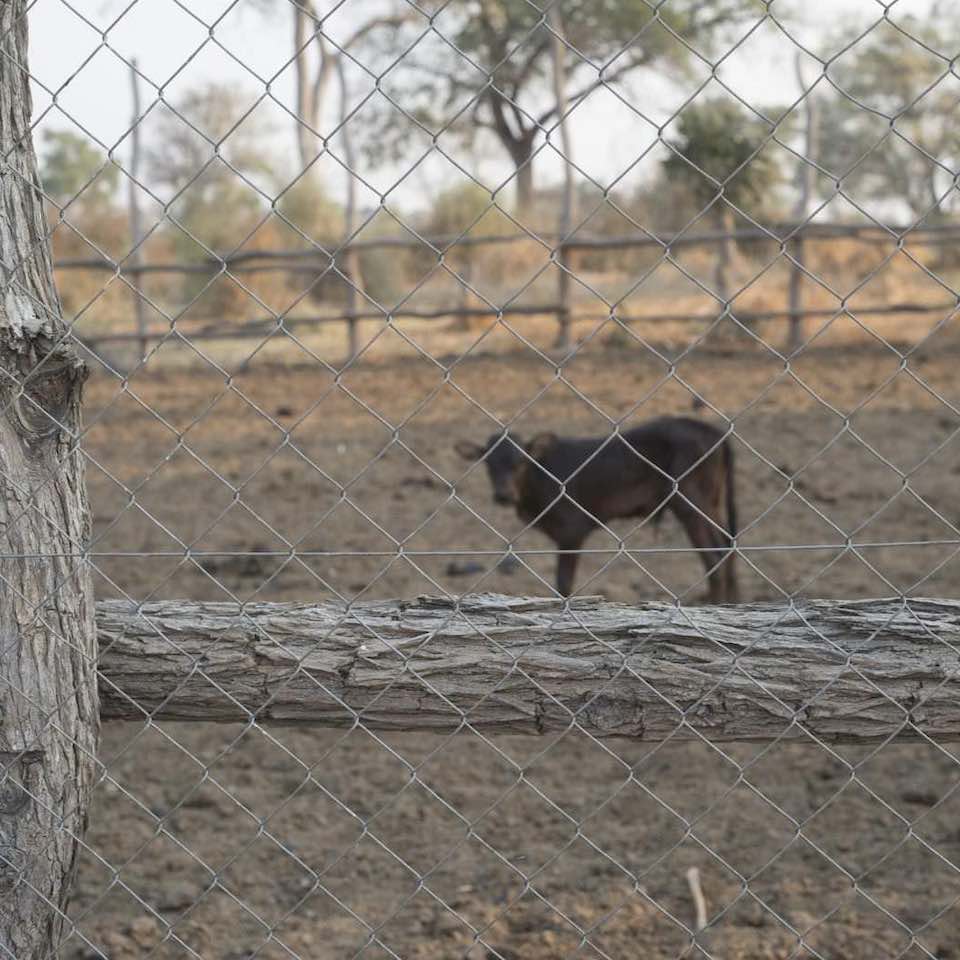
(197, 548)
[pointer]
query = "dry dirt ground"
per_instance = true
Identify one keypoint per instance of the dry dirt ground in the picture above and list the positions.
(282, 481)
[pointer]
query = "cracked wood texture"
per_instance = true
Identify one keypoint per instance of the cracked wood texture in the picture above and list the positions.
(48, 692)
(834, 670)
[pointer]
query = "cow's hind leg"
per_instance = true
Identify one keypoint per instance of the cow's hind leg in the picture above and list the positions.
(732, 594)
(725, 572)
(713, 555)
(567, 561)
(700, 509)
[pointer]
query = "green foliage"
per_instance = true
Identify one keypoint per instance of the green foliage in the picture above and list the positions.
(386, 277)
(899, 100)
(82, 186)
(720, 148)
(511, 46)
(211, 208)
(209, 199)
(307, 205)
(456, 209)
(70, 164)
(217, 124)
(598, 29)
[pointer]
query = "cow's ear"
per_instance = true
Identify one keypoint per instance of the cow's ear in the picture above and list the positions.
(468, 450)
(541, 445)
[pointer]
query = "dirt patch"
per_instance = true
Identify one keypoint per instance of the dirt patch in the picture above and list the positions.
(290, 482)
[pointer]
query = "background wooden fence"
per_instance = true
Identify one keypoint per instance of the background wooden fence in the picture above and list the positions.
(321, 260)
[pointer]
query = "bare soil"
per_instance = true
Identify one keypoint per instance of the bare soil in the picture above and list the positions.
(283, 481)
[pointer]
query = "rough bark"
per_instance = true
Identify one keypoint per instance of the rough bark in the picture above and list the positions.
(841, 671)
(48, 706)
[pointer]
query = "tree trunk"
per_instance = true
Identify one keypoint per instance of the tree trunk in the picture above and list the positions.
(558, 57)
(301, 65)
(522, 157)
(517, 140)
(725, 252)
(48, 703)
(840, 671)
(311, 94)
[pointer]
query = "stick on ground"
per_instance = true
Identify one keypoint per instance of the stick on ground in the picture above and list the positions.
(699, 903)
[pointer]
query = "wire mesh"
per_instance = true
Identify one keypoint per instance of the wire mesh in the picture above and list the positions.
(243, 449)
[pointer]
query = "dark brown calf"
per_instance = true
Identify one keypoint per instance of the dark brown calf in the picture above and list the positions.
(568, 487)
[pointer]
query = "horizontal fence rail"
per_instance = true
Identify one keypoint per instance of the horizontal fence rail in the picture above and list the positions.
(258, 328)
(809, 671)
(924, 236)
(318, 261)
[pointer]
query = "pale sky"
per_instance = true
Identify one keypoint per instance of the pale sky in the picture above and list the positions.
(176, 52)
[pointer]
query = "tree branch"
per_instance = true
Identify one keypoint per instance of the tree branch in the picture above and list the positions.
(574, 98)
(395, 20)
(518, 116)
(500, 123)
(529, 65)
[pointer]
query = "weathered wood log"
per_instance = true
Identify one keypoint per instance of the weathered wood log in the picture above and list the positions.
(48, 706)
(841, 671)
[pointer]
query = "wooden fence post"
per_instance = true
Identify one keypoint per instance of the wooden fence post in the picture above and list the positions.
(567, 212)
(805, 185)
(351, 256)
(48, 695)
(135, 259)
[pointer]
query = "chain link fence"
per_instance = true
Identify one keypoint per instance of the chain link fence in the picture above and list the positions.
(535, 222)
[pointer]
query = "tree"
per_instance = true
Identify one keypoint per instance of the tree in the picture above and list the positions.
(309, 209)
(81, 186)
(892, 134)
(317, 60)
(718, 156)
(73, 170)
(49, 717)
(212, 208)
(510, 42)
(198, 174)
(194, 164)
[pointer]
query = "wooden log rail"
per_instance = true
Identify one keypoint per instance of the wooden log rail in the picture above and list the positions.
(841, 671)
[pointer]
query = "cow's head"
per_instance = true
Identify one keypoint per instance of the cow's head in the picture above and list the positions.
(504, 460)
(507, 459)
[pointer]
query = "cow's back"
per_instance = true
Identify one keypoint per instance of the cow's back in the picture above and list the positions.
(622, 476)
(604, 476)
(675, 444)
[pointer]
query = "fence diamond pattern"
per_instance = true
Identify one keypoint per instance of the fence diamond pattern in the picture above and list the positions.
(266, 459)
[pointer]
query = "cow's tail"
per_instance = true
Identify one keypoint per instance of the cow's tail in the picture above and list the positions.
(731, 492)
(729, 571)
